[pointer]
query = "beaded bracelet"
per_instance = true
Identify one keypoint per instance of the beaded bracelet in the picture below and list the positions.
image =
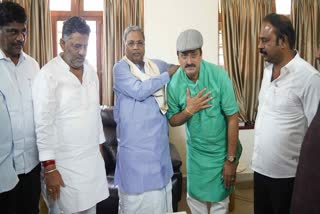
(52, 170)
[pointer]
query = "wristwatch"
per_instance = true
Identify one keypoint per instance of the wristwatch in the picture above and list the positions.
(231, 159)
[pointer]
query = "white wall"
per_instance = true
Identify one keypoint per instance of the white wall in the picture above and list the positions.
(163, 21)
(244, 171)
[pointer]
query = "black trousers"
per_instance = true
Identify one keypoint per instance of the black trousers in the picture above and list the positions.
(24, 197)
(272, 195)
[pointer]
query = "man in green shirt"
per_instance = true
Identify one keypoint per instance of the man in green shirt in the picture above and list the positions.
(200, 94)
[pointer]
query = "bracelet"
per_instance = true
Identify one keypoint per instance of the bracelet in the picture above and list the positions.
(50, 171)
(188, 111)
(48, 162)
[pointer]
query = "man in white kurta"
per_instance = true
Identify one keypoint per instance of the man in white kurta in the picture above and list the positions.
(69, 129)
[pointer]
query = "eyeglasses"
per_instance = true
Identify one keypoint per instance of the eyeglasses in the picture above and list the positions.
(139, 43)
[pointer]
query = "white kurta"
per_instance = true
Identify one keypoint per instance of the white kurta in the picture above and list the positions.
(69, 130)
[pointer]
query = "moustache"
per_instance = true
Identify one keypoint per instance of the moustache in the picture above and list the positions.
(190, 65)
(262, 51)
(18, 44)
(81, 58)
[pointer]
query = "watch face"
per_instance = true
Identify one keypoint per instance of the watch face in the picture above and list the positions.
(231, 158)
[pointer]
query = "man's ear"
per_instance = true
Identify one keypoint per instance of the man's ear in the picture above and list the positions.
(284, 42)
(62, 44)
(318, 54)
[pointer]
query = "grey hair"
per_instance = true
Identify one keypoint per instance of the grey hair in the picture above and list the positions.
(75, 24)
(130, 29)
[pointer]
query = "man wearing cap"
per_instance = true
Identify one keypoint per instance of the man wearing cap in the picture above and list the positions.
(200, 94)
(144, 169)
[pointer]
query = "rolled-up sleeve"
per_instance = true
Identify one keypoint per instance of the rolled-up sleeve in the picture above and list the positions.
(128, 85)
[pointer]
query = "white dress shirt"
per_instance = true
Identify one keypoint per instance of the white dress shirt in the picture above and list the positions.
(69, 130)
(286, 108)
(15, 85)
(8, 175)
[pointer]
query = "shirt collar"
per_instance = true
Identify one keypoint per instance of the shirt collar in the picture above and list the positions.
(2, 55)
(67, 67)
(290, 66)
(62, 62)
(22, 56)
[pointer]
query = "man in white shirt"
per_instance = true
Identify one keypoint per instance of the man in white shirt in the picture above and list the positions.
(288, 101)
(19, 162)
(69, 127)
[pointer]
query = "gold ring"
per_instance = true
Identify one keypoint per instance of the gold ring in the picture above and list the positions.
(49, 190)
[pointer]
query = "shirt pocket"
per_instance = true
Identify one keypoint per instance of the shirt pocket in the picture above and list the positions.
(92, 92)
(285, 101)
(215, 109)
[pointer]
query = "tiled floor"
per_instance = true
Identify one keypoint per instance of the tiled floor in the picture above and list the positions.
(243, 198)
(243, 203)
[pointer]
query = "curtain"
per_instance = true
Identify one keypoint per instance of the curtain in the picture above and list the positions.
(241, 23)
(117, 15)
(305, 16)
(39, 31)
(39, 39)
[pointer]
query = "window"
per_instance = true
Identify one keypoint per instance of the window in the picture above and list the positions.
(93, 5)
(60, 5)
(283, 7)
(92, 12)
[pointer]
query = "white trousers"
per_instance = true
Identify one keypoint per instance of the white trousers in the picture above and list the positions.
(55, 209)
(200, 207)
(92, 210)
(151, 202)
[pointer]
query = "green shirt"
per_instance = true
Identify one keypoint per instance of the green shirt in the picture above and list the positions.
(206, 129)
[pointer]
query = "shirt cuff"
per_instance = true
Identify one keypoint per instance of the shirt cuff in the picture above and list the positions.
(48, 155)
